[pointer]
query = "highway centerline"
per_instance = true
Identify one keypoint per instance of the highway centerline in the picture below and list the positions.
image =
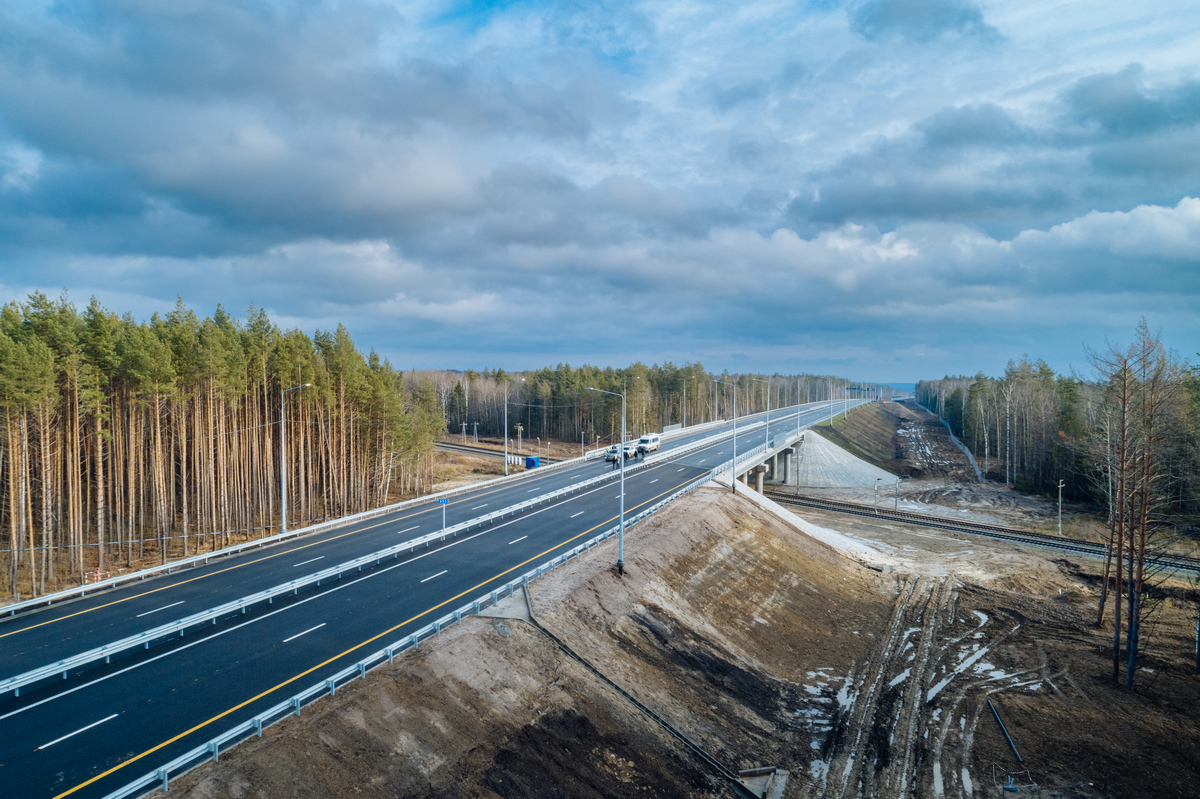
(156, 610)
(306, 632)
(294, 605)
(81, 729)
(318, 542)
(370, 640)
(522, 538)
(357, 647)
(439, 574)
(306, 562)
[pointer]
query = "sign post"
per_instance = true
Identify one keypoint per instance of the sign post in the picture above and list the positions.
(443, 502)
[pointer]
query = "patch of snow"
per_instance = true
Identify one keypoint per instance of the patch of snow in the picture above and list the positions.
(818, 769)
(899, 678)
(968, 788)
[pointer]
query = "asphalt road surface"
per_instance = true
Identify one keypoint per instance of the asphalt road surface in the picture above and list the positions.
(107, 724)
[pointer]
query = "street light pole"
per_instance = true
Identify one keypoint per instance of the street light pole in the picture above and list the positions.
(506, 426)
(621, 453)
(1060, 488)
(768, 382)
(722, 382)
(797, 406)
(283, 459)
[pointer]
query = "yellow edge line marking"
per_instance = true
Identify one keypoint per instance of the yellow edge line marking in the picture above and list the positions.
(241, 565)
(306, 672)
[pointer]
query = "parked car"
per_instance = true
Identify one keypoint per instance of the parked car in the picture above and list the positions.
(649, 442)
(613, 454)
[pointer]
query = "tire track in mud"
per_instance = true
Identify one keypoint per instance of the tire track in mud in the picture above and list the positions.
(883, 732)
(855, 766)
(911, 715)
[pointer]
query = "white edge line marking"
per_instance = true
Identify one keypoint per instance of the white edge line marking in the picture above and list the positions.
(156, 610)
(306, 632)
(306, 562)
(510, 543)
(439, 574)
(573, 515)
(409, 529)
(292, 606)
(81, 729)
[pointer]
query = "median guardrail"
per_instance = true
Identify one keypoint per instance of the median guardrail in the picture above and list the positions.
(212, 615)
(342, 521)
(211, 750)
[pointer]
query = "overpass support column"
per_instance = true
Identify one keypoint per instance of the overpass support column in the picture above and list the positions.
(758, 478)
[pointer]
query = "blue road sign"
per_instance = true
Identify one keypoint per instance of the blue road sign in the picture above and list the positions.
(443, 501)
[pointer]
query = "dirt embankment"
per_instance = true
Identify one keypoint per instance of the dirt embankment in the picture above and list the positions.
(767, 648)
(729, 623)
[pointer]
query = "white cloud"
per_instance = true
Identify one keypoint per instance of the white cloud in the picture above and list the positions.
(871, 181)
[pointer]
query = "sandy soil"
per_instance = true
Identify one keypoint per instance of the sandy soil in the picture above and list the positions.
(865, 677)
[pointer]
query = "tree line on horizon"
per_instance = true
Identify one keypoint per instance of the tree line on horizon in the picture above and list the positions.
(124, 440)
(1126, 438)
(556, 403)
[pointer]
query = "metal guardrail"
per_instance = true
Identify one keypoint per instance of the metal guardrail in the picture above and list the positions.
(204, 558)
(212, 615)
(211, 750)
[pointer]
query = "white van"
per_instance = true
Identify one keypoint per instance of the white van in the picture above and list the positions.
(649, 442)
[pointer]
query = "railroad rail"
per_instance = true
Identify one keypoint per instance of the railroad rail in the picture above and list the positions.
(1073, 546)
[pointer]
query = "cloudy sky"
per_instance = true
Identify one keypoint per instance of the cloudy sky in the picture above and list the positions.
(883, 189)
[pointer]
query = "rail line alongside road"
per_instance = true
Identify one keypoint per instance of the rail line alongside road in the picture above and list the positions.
(1074, 546)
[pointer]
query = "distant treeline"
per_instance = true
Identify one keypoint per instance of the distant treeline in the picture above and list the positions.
(555, 403)
(125, 440)
(1031, 427)
(1127, 437)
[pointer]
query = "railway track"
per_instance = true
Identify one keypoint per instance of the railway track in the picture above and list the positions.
(1073, 546)
(483, 452)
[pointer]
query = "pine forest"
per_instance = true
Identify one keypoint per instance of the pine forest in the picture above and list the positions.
(125, 442)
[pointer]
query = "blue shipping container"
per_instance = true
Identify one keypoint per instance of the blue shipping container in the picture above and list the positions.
(533, 462)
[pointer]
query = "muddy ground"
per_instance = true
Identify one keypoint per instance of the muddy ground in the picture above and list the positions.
(864, 674)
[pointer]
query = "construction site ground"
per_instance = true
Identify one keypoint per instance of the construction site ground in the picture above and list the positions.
(857, 654)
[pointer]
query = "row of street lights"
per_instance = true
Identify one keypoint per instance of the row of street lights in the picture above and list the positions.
(622, 395)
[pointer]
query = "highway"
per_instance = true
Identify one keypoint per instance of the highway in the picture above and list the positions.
(108, 723)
